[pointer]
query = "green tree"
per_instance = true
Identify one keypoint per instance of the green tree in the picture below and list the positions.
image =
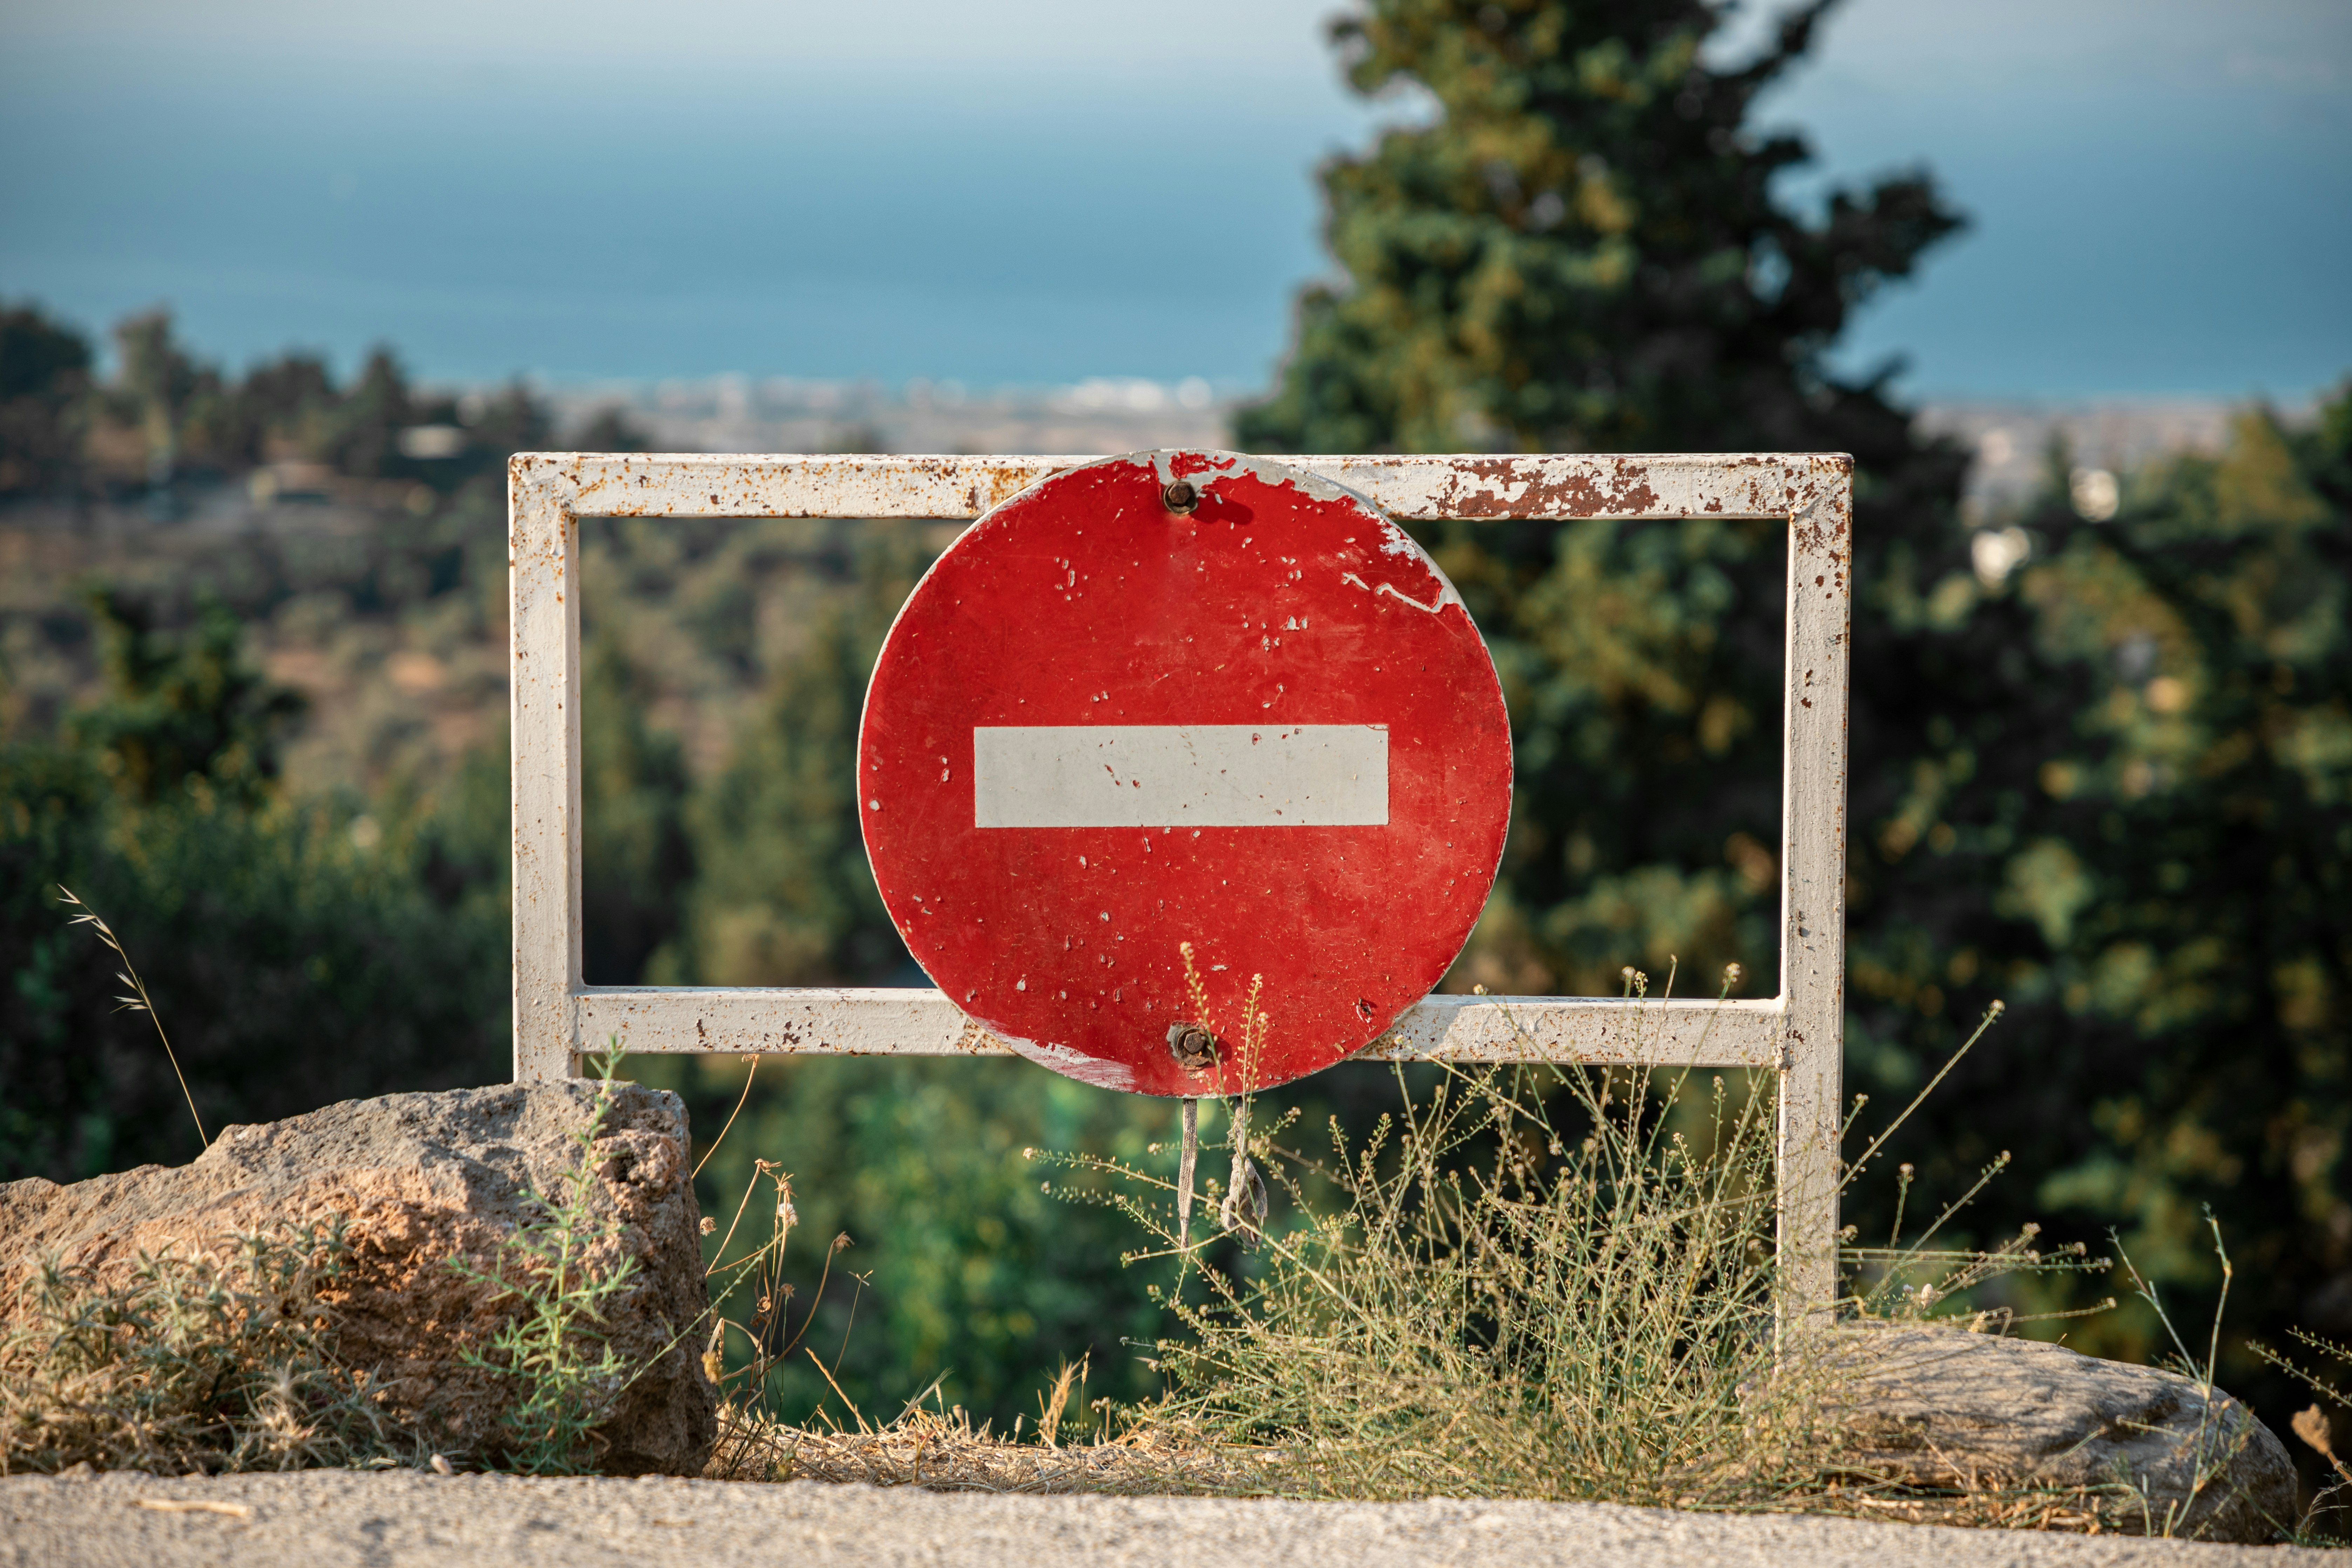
(785, 895)
(363, 435)
(44, 379)
(297, 953)
(2174, 893)
(636, 856)
(181, 706)
(1586, 250)
(1589, 246)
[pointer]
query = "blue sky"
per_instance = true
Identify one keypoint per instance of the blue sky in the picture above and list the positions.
(1044, 190)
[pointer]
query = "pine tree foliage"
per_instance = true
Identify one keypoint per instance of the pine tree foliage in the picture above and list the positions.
(1585, 248)
(2107, 785)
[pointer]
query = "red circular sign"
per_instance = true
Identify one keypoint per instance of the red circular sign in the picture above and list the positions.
(1184, 699)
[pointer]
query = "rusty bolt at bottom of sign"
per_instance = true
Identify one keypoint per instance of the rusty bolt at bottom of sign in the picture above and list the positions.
(1194, 1049)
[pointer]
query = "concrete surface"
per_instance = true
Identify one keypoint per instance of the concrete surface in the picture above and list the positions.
(326, 1518)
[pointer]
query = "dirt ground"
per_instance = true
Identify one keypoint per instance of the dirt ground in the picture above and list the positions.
(326, 1518)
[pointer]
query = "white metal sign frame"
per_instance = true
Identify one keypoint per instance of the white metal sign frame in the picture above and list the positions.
(1798, 1032)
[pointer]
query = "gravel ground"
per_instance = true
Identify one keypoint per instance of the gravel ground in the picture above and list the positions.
(325, 1519)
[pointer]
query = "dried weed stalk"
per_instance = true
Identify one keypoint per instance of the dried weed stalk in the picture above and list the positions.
(138, 1001)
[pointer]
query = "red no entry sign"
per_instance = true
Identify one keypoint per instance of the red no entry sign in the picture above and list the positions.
(1184, 698)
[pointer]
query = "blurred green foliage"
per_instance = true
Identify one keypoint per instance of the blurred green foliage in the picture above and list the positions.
(181, 707)
(299, 949)
(2146, 843)
(785, 895)
(297, 952)
(961, 1265)
(633, 790)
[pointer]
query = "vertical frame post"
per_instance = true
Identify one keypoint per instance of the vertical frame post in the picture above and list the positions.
(543, 626)
(1812, 890)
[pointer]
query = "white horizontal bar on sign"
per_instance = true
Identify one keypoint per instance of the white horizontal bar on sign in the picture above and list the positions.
(1597, 1030)
(877, 1021)
(1180, 775)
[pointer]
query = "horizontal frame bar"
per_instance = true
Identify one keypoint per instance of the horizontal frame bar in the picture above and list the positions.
(1414, 489)
(922, 1022)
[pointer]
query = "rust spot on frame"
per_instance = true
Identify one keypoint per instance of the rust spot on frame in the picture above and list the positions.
(1533, 488)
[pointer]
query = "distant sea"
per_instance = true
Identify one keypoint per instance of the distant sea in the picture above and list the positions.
(994, 231)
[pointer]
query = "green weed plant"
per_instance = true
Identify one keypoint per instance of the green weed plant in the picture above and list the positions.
(561, 1270)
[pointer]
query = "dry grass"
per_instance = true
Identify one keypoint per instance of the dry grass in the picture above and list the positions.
(944, 1452)
(1550, 1282)
(189, 1365)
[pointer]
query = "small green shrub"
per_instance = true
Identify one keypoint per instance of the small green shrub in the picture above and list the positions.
(559, 1267)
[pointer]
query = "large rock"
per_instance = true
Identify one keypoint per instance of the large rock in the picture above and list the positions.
(419, 1180)
(1948, 1410)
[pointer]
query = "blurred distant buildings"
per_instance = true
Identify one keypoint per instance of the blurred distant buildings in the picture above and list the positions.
(2014, 442)
(2011, 440)
(738, 413)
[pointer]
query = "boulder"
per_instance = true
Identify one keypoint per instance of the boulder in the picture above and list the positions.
(419, 1180)
(2148, 1451)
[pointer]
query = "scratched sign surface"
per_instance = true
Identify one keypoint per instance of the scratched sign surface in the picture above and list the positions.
(1105, 726)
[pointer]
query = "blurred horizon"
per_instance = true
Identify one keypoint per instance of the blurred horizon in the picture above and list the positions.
(1055, 193)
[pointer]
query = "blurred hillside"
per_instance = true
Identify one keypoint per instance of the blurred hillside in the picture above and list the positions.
(340, 524)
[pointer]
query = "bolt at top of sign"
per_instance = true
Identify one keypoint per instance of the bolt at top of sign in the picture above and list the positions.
(1184, 698)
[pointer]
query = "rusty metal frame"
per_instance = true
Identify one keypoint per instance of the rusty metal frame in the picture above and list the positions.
(1798, 1032)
